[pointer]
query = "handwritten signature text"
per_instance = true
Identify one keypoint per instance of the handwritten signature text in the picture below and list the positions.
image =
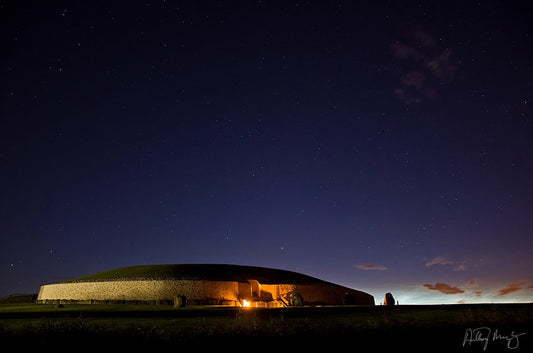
(484, 335)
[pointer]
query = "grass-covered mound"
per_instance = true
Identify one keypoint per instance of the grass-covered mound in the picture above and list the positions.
(213, 272)
(18, 299)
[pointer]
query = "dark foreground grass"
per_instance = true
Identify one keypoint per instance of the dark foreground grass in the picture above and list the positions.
(495, 328)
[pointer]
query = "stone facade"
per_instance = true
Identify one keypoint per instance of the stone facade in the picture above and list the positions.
(140, 290)
(197, 292)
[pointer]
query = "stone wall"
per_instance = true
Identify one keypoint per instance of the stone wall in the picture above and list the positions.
(139, 290)
(201, 292)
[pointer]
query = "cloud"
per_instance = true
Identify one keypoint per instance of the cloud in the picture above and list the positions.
(460, 267)
(374, 267)
(441, 65)
(404, 51)
(423, 65)
(414, 79)
(439, 260)
(511, 287)
(444, 288)
(407, 97)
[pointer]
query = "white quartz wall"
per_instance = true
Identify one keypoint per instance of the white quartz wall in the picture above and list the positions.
(139, 290)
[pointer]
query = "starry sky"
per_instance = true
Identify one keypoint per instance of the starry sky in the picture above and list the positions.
(385, 146)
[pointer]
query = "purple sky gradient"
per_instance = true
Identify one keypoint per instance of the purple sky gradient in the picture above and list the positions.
(386, 147)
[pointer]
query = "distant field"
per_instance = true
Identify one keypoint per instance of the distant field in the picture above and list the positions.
(419, 328)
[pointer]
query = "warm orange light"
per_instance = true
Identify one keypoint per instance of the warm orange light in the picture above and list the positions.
(245, 303)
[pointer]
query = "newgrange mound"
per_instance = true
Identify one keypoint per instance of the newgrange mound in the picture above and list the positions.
(202, 284)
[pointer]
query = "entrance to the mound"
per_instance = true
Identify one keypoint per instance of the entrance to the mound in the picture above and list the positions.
(255, 287)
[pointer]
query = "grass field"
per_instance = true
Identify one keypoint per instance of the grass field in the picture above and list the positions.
(506, 327)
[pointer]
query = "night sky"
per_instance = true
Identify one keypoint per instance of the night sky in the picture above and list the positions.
(384, 146)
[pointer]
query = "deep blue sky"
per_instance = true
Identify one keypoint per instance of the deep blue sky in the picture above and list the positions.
(383, 146)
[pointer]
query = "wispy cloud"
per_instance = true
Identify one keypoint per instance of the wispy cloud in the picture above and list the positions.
(372, 267)
(512, 287)
(460, 267)
(404, 51)
(441, 65)
(439, 260)
(414, 79)
(472, 286)
(444, 288)
(423, 65)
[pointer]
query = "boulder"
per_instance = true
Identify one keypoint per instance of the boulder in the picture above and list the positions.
(389, 300)
(297, 299)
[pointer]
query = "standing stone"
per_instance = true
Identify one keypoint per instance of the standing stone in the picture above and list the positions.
(297, 299)
(180, 301)
(389, 300)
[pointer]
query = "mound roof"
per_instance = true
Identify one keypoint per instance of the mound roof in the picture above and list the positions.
(213, 272)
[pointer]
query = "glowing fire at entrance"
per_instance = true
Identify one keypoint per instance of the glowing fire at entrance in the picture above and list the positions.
(245, 303)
